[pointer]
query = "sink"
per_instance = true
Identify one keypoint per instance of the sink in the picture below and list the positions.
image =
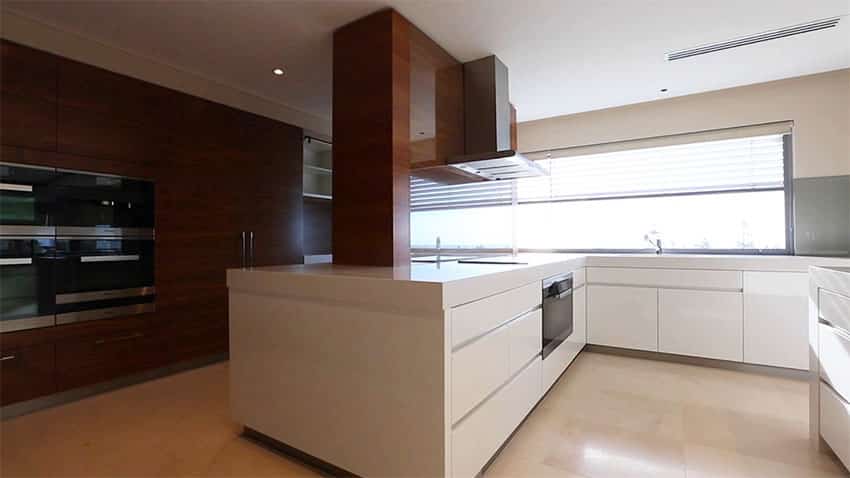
(493, 260)
(441, 258)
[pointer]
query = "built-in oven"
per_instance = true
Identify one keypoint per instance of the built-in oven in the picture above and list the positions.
(26, 281)
(103, 276)
(557, 311)
(85, 201)
(25, 197)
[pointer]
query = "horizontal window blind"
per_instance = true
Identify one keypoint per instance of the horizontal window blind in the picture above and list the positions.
(740, 164)
(428, 196)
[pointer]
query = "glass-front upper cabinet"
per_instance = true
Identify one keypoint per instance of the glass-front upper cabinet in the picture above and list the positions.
(25, 198)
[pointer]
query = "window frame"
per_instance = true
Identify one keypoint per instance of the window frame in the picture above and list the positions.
(788, 189)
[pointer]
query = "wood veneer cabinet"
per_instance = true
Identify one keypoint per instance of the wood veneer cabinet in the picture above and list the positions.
(218, 171)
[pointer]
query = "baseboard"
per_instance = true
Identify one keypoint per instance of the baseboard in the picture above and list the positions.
(61, 398)
(802, 375)
(315, 463)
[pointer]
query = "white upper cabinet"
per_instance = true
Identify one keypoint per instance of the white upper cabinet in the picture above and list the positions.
(701, 323)
(619, 316)
(776, 319)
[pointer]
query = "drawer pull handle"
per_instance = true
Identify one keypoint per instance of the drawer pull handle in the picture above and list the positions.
(8, 357)
(119, 339)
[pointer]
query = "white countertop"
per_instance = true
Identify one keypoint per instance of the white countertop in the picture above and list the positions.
(425, 284)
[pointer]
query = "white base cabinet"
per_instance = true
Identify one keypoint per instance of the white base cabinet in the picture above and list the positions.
(701, 323)
(622, 316)
(776, 308)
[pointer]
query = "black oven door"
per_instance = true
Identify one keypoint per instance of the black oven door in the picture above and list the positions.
(26, 283)
(103, 277)
(557, 312)
(85, 202)
(25, 197)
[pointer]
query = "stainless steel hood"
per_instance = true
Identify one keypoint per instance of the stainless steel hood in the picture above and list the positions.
(487, 117)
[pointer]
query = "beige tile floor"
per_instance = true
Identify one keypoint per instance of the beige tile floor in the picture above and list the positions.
(608, 417)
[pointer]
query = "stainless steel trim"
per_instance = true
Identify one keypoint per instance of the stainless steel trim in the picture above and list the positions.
(128, 232)
(11, 325)
(16, 261)
(104, 295)
(27, 166)
(106, 175)
(107, 313)
(7, 357)
(35, 231)
(115, 258)
(24, 188)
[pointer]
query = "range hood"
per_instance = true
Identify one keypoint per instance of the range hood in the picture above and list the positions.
(489, 153)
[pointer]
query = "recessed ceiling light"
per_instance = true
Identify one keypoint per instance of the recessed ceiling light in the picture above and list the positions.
(664, 90)
(277, 71)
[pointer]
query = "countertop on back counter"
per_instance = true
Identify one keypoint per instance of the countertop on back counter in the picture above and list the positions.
(453, 283)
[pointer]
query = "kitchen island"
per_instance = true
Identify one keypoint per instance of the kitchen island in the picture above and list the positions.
(426, 370)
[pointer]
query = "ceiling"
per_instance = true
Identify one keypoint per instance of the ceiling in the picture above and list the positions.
(564, 56)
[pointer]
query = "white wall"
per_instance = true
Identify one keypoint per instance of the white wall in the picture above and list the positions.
(44, 37)
(819, 106)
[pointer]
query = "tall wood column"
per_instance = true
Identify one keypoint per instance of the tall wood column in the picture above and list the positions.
(371, 135)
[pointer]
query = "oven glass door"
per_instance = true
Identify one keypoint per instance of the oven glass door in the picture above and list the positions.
(25, 195)
(99, 278)
(557, 317)
(26, 283)
(97, 201)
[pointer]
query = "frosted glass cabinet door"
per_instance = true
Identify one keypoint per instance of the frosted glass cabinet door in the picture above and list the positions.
(619, 316)
(776, 316)
(701, 323)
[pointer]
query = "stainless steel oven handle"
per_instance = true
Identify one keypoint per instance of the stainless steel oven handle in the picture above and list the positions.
(7, 357)
(23, 188)
(16, 261)
(565, 293)
(117, 258)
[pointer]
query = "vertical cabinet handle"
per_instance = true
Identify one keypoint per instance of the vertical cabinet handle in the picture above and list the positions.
(242, 252)
(252, 248)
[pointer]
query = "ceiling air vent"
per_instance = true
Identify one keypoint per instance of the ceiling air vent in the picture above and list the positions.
(757, 38)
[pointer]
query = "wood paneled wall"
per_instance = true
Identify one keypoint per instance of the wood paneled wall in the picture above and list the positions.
(371, 152)
(218, 172)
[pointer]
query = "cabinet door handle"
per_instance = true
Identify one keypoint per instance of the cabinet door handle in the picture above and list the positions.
(119, 339)
(252, 248)
(242, 257)
(7, 357)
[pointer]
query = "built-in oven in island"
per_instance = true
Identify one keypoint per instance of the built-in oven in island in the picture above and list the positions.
(557, 311)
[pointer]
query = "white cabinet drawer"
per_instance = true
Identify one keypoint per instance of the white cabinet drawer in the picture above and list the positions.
(666, 278)
(624, 317)
(701, 323)
(835, 309)
(776, 319)
(482, 366)
(834, 357)
(526, 335)
(479, 435)
(835, 423)
(479, 317)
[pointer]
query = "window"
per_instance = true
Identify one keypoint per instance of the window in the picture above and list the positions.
(725, 192)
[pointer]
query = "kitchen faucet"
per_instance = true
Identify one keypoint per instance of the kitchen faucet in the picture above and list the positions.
(656, 243)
